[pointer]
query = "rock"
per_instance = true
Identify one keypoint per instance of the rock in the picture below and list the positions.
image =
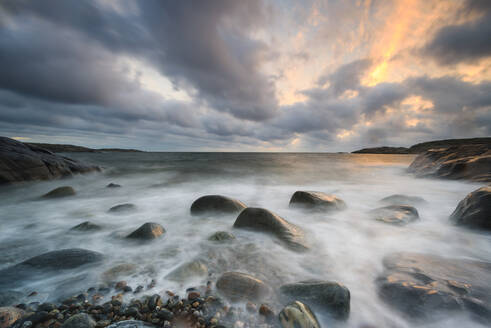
(474, 210)
(316, 200)
(324, 296)
(9, 297)
(240, 286)
(86, 226)
(127, 207)
(216, 204)
(398, 199)
(131, 324)
(9, 315)
(80, 320)
(298, 315)
(20, 162)
(395, 214)
(60, 192)
(113, 185)
(147, 231)
(421, 285)
(469, 162)
(262, 220)
(221, 236)
(190, 270)
(119, 270)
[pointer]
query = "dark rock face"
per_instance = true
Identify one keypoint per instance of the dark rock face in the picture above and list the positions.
(121, 208)
(474, 210)
(316, 200)
(86, 226)
(81, 320)
(221, 236)
(469, 162)
(383, 150)
(113, 185)
(395, 214)
(20, 162)
(216, 204)
(398, 199)
(238, 286)
(262, 220)
(147, 231)
(60, 192)
(9, 315)
(421, 285)
(326, 296)
(298, 315)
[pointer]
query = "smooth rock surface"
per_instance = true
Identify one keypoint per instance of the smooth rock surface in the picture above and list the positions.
(474, 210)
(216, 204)
(221, 236)
(399, 199)
(147, 231)
(189, 270)
(395, 214)
(325, 296)
(60, 192)
(298, 315)
(86, 226)
(262, 220)
(238, 286)
(122, 208)
(131, 324)
(80, 320)
(316, 200)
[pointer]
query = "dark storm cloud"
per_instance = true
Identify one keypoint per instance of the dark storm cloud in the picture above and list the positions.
(467, 42)
(346, 76)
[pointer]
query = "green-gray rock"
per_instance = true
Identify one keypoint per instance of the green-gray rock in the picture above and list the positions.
(315, 200)
(147, 231)
(60, 192)
(216, 204)
(298, 315)
(221, 236)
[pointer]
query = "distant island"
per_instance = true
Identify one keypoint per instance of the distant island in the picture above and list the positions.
(60, 148)
(424, 146)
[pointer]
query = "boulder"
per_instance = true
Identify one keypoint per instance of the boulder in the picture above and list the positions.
(324, 296)
(395, 214)
(398, 199)
(113, 185)
(221, 236)
(316, 200)
(474, 210)
(147, 231)
(189, 270)
(60, 192)
(80, 320)
(118, 271)
(238, 286)
(131, 324)
(122, 208)
(86, 226)
(216, 204)
(9, 315)
(422, 286)
(262, 220)
(20, 162)
(298, 315)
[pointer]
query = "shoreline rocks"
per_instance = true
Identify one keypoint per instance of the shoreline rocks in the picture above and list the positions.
(86, 226)
(122, 208)
(60, 192)
(147, 231)
(399, 215)
(298, 315)
(398, 199)
(238, 286)
(474, 211)
(315, 200)
(216, 204)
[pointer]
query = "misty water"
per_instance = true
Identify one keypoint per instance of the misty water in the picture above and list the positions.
(347, 246)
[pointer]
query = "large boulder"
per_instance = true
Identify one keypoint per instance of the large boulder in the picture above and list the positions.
(423, 286)
(238, 286)
(216, 204)
(123, 208)
(298, 315)
(469, 162)
(187, 271)
(398, 199)
(80, 320)
(20, 162)
(147, 231)
(316, 200)
(262, 220)
(395, 214)
(9, 315)
(325, 296)
(474, 210)
(221, 236)
(60, 192)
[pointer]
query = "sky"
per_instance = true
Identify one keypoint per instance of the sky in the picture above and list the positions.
(255, 75)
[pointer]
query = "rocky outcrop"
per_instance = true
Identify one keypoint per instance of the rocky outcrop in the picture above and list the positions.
(474, 210)
(469, 162)
(395, 214)
(316, 200)
(9, 315)
(21, 162)
(298, 315)
(262, 220)
(147, 231)
(398, 199)
(238, 286)
(325, 296)
(216, 204)
(60, 192)
(383, 150)
(422, 286)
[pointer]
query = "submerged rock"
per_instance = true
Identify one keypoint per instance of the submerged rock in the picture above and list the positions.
(113, 185)
(298, 315)
(221, 236)
(190, 270)
(131, 324)
(238, 286)
(120, 208)
(86, 226)
(60, 192)
(119, 270)
(262, 220)
(216, 204)
(474, 210)
(395, 214)
(9, 315)
(147, 231)
(421, 285)
(326, 296)
(398, 199)
(80, 320)
(316, 200)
